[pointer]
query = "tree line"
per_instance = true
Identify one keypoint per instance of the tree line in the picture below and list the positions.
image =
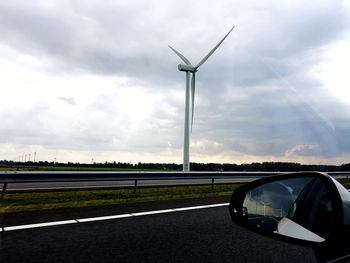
(251, 167)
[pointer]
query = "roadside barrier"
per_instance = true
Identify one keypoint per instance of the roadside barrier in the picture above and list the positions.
(18, 177)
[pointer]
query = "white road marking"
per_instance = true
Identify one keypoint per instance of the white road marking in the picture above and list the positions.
(218, 205)
(191, 208)
(153, 212)
(83, 220)
(56, 223)
(200, 207)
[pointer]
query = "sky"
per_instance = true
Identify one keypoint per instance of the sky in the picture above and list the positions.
(94, 81)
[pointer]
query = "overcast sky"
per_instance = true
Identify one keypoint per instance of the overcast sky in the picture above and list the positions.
(83, 80)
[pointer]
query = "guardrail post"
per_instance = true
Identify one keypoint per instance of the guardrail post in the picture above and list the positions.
(135, 186)
(212, 183)
(3, 191)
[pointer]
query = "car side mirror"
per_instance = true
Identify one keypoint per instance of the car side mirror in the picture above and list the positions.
(309, 209)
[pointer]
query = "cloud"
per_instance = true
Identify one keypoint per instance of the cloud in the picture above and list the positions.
(259, 95)
(69, 101)
(303, 150)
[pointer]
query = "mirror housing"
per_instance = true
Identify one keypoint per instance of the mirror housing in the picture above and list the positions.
(306, 208)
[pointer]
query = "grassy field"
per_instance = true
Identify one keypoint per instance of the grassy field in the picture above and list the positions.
(54, 200)
(64, 168)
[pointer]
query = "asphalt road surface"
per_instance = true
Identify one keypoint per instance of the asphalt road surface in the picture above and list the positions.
(205, 235)
(117, 184)
(27, 187)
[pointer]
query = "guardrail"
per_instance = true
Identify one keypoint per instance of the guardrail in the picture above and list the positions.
(8, 177)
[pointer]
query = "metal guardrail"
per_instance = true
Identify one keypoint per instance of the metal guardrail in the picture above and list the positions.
(83, 176)
(8, 177)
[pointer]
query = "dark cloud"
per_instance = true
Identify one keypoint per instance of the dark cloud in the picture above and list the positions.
(256, 95)
(123, 39)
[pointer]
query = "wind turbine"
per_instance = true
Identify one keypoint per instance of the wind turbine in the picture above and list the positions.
(188, 68)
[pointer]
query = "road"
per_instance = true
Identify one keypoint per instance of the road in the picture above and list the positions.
(205, 235)
(116, 184)
(69, 185)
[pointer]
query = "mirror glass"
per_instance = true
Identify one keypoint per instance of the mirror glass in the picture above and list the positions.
(300, 208)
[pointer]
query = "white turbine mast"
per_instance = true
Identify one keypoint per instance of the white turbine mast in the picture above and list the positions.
(188, 68)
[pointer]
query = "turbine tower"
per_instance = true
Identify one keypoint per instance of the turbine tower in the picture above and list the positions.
(188, 68)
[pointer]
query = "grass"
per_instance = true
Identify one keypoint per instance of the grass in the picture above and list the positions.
(345, 182)
(54, 200)
(64, 168)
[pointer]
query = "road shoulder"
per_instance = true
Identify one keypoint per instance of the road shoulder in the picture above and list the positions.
(33, 217)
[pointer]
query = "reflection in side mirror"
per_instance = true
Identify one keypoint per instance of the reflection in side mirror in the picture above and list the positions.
(298, 207)
(281, 207)
(306, 208)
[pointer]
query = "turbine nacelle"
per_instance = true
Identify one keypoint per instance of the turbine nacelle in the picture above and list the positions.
(189, 68)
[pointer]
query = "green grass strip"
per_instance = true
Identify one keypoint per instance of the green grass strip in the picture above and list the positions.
(21, 202)
(73, 168)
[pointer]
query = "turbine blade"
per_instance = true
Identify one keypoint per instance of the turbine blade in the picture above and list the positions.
(213, 50)
(193, 90)
(184, 59)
